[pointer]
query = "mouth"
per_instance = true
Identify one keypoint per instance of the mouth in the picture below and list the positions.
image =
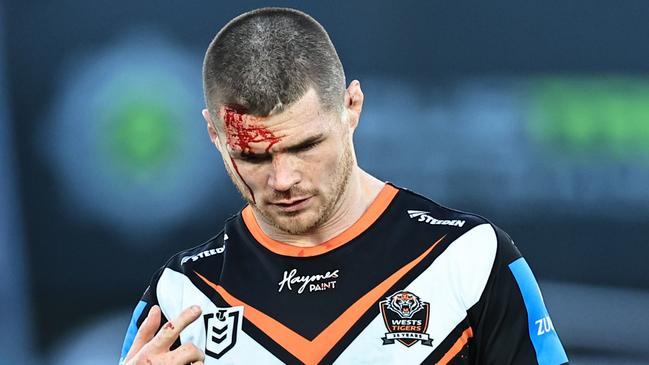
(292, 205)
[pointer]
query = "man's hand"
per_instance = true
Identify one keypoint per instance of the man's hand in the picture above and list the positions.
(150, 348)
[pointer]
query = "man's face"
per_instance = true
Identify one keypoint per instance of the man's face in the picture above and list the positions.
(292, 167)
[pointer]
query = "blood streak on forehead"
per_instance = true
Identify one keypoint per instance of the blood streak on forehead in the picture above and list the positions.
(242, 130)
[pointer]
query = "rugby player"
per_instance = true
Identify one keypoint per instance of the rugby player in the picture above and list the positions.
(326, 263)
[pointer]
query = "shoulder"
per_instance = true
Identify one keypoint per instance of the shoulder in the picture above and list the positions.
(177, 283)
(422, 209)
(179, 267)
(206, 257)
(208, 251)
(472, 235)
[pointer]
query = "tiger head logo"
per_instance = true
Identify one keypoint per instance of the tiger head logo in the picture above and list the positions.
(404, 303)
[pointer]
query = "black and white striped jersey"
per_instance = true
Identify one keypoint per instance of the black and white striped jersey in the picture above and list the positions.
(411, 282)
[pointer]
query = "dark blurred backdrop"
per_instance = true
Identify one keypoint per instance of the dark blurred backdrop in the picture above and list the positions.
(534, 114)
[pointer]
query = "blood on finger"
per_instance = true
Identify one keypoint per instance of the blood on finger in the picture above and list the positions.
(169, 326)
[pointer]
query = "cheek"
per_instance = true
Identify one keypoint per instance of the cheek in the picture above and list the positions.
(326, 164)
(254, 175)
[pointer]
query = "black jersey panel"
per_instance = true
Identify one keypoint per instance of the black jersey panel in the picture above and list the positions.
(500, 317)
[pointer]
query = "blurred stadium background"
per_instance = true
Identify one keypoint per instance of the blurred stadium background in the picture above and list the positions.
(535, 115)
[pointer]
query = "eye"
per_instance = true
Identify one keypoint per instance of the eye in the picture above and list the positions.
(311, 146)
(254, 158)
(308, 147)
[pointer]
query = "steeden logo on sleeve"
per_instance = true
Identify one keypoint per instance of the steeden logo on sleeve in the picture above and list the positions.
(422, 216)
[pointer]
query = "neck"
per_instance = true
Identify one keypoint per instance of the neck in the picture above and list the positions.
(361, 191)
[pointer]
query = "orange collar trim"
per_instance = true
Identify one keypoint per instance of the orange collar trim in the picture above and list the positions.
(373, 212)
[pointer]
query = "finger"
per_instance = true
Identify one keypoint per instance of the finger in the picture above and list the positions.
(198, 363)
(170, 331)
(146, 331)
(187, 353)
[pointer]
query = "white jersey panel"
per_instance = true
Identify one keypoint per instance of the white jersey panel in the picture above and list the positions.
(176, 292)
(452, 284)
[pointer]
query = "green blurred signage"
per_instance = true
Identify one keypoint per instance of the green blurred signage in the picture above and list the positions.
(597, 116)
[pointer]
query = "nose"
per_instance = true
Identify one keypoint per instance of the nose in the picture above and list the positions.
(284, 173)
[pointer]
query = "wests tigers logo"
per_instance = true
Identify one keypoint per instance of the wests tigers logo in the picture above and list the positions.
(406, 318)
(404, 303)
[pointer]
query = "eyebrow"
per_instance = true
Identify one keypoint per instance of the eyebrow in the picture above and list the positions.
(300, 146)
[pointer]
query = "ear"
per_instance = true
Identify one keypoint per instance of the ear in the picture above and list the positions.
(354, 103)
(211, 130)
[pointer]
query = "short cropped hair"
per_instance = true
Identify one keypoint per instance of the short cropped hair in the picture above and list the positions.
(266, 59)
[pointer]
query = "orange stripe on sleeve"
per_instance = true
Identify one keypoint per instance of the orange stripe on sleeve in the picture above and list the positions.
(457, 347)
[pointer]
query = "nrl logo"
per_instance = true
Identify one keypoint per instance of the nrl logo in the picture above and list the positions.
(406, 318)
(221, 329)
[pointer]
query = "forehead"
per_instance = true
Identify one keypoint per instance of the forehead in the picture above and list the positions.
(303, 119)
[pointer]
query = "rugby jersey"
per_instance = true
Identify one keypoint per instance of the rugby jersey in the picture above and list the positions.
(411, 282)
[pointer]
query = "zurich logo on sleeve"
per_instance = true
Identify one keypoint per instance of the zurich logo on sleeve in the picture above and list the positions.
(545, 340)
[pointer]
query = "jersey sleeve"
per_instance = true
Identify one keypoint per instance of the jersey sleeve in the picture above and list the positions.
(511, 322)
(148, 300)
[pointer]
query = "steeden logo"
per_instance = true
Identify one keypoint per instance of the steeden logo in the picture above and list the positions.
(206, 253)
(422, 216)
(203, 254)
(311, 283)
